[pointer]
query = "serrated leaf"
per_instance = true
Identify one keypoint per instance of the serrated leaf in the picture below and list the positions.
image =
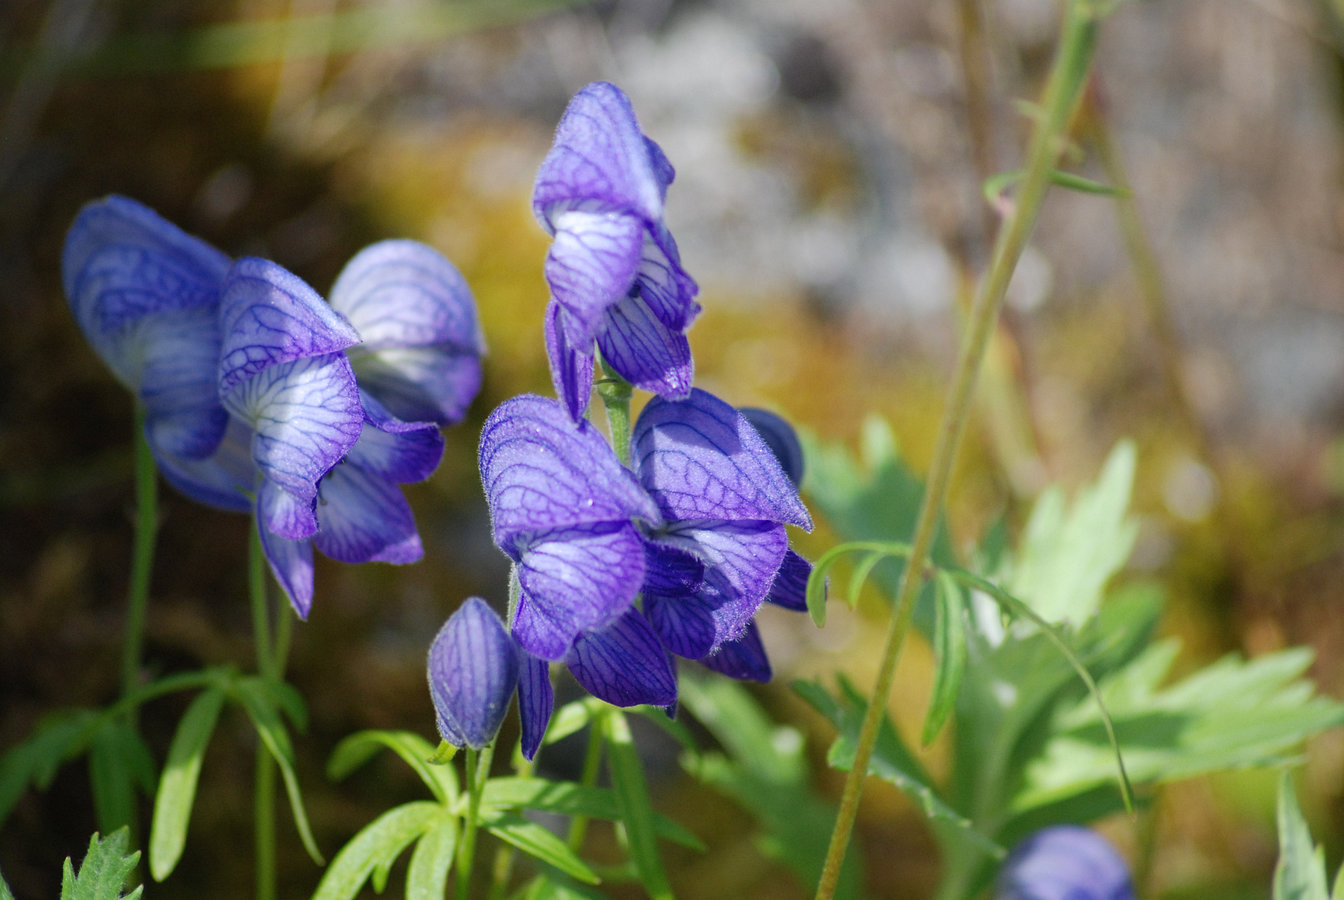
(1069, 551)
(102, 875)
(538, 843)
(427, 875)
(570, 799)
(949, 646)
(357, 749)
(627, 776)
(378, 843)
(260, 706)
(177, 787)
(891, 760)
(1231, 714)
(1300, 871)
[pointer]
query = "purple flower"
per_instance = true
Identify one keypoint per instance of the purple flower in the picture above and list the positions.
(723, 548)
(146, 296)
(614, 271)
(1064, 862)
(422, 346)
(563, 508)
(473, 670)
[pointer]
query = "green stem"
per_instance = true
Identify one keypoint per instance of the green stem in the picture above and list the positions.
(256, 591)
(263, 821)
(504, 856)
(1067, 78)
(142, 559)
(272, 645)
(616, 392)
(477, 771)
(592, 762)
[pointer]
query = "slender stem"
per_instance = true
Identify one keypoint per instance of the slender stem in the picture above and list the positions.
(616, 392)
(263, 798)
(1067, 77)
(592, 762)
(142, 559)
(477, 771)
(503, 867)
(256, 591)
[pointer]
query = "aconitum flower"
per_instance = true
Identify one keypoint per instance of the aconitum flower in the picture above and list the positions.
(614, 271)
(564, 509)
(473, 670)
(421, 348)
(1064, 862)
(146, 296)
(723, 548)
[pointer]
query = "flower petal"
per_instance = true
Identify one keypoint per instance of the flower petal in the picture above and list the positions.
(403, 452)
(601, 155)
(224, 480)
(644, 351)
(743, 659)
(541, 471)
(624, 664)
(741, 558)
(306, 415)
(1066, 862)
(780, 437)
(664, 284)
(363, 517)
(269, 317)
(285, 515)
(592, 265)
(789, 589)
(697, 625)
(700, 459)
(422, 342)
(571, 364)
(473, 671)
(292, 564)
(574, 580)
(536, 701)
(671, 571)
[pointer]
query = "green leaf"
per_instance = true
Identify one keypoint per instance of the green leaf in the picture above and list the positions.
(1069, 551)
(120, 766)
(569, 719)
(570, 799)
(259, 703)
(765, 769)
(550, 887)
(538, 843)
(427, 876)
(1300, 872)
(996, 185)
(949, 646)
(357, 749)
(891, 760)
(1231, 714)
(379, 844)
(104, 871)
(58, 738)
(627, 776)
(177, 787)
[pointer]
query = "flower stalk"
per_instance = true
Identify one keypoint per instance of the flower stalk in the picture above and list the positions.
(1062, 92)
(142, 559)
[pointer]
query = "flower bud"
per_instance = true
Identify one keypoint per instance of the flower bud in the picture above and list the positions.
(1064, 862)
(473, 671)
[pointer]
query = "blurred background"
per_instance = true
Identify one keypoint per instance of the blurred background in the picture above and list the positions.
(828, 199)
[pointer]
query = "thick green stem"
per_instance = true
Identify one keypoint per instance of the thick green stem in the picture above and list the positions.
(477, 771)
(1067, 78)
(142, 559)
(616, 392)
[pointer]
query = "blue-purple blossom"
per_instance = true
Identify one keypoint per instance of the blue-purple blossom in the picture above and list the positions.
(725, 501)
(1064, 862)
(614, 271)
(473, 670)
(422, 345)
(146, 296)
(563, 508)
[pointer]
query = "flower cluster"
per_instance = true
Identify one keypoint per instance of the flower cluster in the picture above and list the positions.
(620, 565)
(1064, 862)
(259, 395)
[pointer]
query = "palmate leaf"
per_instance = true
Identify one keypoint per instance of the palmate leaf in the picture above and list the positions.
(570, 799)
(120, 768)
(1069, 551)
(1232, 714)
(60, 737)
(372, 851)
(103, 873)
(538, 843)
(1300, 872)
(891, 760)
(357, 749)
(177, 788)
(627, 775)
(764, 768)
